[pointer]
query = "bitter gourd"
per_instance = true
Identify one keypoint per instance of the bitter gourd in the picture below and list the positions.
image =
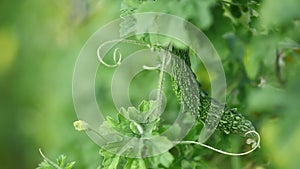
(231, 121)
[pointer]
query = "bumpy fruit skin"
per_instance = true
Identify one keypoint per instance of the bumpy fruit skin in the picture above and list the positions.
(185, 84)
(231, 121)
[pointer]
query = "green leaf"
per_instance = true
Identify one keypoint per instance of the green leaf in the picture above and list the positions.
(216, 31)
(157, 144)
(61, 160)
(166, 159)
(60, 163)
(110, 161)
(121, 126)
(203, 13)
(134, 163)
(117, 131)
(235, 11)
(278, 13)
(44, 165)
(266, 55)
(186, 165)
(144, 114)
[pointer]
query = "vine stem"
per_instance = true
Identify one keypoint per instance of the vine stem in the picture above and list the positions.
(165, 55)
(224, 152)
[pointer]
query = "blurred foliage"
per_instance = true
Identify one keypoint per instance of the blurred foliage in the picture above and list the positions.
(39, 44)
(258, 42)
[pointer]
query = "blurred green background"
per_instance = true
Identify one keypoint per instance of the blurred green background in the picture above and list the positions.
(39, 44)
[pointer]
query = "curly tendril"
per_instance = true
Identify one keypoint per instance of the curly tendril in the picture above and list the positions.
(117, 55)
(254, 146)
(116, 51)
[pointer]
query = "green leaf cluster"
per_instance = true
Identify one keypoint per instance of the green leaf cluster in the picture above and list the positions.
(61, 163)
(128, 136)
(199, 11)
(258, 42)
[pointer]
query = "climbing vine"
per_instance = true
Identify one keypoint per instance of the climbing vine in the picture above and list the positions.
(241, 32)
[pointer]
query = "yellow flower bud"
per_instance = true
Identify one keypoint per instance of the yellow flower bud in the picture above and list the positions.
(81, 125)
